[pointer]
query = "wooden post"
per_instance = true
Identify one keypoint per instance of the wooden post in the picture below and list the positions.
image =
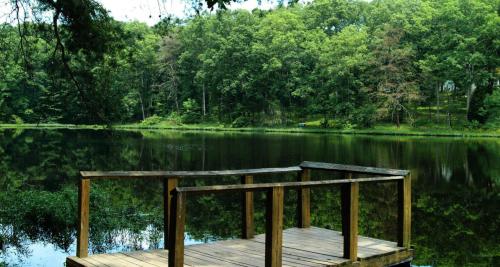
(344, 202)
(404, 212)
(248, 210)
(176, 231)
(169, 184)
(350, 221)
(274, 227)
(82, 247)
(304, 200)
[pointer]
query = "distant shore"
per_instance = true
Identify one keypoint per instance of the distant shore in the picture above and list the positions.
(404, 130)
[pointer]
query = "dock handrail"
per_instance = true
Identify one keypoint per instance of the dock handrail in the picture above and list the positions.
(184, 174)
(274, 214)
(174, 203)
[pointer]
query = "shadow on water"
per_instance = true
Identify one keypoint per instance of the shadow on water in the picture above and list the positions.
(455, 190)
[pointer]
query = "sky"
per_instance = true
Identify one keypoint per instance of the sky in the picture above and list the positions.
(148, 11)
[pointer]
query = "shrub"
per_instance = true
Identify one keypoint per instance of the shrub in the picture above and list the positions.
(152, 120)
(17, 119)
(241, 121)
(191, 111)
(492, 107)
(174, 118)
(364, 116)
(473, 125)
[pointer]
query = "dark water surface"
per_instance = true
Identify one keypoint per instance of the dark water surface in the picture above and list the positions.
(455, 184)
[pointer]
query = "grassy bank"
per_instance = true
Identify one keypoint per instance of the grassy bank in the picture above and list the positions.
(404, 130)
(383, 129)
(50, 126)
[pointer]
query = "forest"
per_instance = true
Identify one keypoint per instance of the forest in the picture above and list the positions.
(337, 63)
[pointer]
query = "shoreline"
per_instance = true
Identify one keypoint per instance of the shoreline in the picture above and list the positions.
(404, 131)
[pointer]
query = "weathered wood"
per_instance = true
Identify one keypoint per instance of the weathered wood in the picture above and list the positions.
(248, 210)
(168, 186)
(350, 218)
(391, 259)
(351, 168)
(274, 227)
(77, 262)
(183, 174)
(302, 247)
(295, 254)
(344, 202)
(176, 231)
(404, 212)
(82, 245)
(304, 200)
(288, 185)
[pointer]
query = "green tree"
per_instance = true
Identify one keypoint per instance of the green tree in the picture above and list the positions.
(394, 74)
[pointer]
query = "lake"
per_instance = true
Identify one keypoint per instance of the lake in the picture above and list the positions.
(455, 187)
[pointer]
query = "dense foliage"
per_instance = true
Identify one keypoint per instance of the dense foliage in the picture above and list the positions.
(339, 61)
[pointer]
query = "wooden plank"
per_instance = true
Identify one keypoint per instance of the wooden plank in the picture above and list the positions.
(77, 262)
(404, 212)
(183, 174)
(315, 249)
(248, 210)
(247, 252)
(304, 201)
(388, 260)
(136, 261)
(114, 260)
(221, 255)
(176, 234)
(145, 257)
(344, 202)
(95, 262)
(169, 184)
(308, 247)
(266, 186)
(331, 243)
(82, 246)
(351, 220)
(351, 168)
(274, 227)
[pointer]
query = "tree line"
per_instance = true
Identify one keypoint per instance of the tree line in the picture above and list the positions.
(342, 62)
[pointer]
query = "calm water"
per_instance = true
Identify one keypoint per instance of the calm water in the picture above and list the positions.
(456, 190)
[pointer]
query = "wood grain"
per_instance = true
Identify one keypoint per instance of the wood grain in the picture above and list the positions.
(350, 221)
(176, 231)
(247, 210)
(184, 174)
(169, 184)
(304, 201)
(351, 168)
(301, 247)
(82, 246)
(274, 227)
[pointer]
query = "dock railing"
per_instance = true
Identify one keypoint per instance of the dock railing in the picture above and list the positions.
(175, 203)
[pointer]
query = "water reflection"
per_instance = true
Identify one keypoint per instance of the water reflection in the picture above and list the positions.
(455, 189)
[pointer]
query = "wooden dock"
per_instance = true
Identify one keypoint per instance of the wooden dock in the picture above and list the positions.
(301, 246)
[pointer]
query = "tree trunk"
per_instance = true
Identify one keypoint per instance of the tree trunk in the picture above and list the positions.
(437, 105)
(397, 118)
(204, 104)
(142, 107)
(449, 111)
(140, 97)
(470, 94)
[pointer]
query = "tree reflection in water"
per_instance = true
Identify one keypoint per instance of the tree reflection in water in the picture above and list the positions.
(455, 189)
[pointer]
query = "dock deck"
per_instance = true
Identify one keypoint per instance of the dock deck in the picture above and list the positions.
(301, 247)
